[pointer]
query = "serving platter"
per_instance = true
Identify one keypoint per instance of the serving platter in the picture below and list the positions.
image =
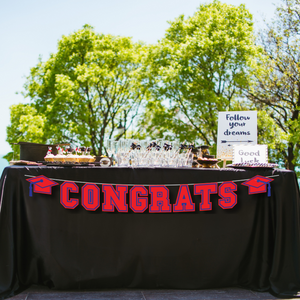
(253, 165)
(207, 163)
(63, 164)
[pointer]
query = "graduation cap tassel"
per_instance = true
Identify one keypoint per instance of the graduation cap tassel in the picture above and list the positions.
(30, 186)
(30, 189)
(269, 189)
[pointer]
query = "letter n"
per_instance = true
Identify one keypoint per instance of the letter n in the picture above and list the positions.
(228, 197)
(184, 200)
(90, 196)
(160, 201)
(205, 189)
(114, 198)
(65, 189)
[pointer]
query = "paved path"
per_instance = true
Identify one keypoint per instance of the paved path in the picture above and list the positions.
(38, 292)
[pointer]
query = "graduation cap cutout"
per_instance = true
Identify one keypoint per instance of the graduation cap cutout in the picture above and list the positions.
(258, 184)
(41, 184)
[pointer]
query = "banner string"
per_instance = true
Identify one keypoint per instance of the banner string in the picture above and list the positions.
(132, 184)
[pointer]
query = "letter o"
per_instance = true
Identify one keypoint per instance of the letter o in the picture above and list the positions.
(90, 196)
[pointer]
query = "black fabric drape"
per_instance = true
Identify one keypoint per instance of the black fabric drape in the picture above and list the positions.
(255, 245)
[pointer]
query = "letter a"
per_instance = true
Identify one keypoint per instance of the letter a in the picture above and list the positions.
(184, 200)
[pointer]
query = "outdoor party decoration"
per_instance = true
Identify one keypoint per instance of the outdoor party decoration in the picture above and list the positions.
(251, 154)
(114, 197)
(235, 128)
(258, 184)
(41, 184)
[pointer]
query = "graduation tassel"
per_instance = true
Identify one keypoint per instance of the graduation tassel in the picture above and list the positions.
(269, 189)
(268, 184)
(30, 186)
(30, 189)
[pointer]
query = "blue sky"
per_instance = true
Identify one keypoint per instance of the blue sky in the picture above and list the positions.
(31, 28)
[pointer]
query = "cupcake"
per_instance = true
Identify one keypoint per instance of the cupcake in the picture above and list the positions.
(49, 156)
(83, 158)
(70, 158)
(76, 156)
(59, 157)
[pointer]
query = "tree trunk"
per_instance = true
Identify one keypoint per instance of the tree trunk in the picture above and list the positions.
(289, 163)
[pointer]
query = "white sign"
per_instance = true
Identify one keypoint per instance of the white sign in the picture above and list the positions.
(250, 154)
(235, 128)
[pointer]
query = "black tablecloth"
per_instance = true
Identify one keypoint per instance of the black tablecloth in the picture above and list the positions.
(255, 245)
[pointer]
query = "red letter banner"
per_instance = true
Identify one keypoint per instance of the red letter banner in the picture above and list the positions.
(90, 196)
(229, 198)
(114, 198)
(205, 189)
(137, 203)
(65, 188)
(184, 200)
(160, 202)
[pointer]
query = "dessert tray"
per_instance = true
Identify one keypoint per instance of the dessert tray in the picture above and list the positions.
(104, 162)
(65, 164)
(253, 165)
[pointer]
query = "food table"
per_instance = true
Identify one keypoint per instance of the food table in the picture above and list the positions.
(93, 228)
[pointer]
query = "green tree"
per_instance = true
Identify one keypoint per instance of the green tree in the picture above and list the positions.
(277, 89)
(197, 70)
(91, 84)
(26, 125)
(269, 133)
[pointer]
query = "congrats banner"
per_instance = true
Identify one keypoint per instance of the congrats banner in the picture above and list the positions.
(155, 198)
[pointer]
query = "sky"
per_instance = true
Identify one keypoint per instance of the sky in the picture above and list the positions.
(30, 29)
